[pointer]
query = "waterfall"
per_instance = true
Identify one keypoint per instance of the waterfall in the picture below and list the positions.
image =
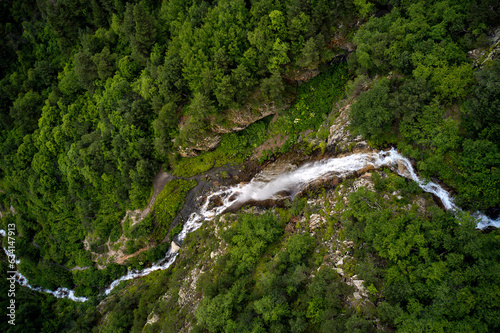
(264, 187)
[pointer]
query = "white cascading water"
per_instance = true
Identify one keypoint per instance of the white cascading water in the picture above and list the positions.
(60, 292)
(269, 187)
(133, 273)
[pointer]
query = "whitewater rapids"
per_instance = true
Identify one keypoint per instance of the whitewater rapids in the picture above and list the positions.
(264, 187)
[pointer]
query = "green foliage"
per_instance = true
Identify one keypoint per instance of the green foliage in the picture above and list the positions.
(158, 252)
(298, 247)
(314, 101)
(436, 269)
(249, 241)
(370, 114)
(85, 70)
(143, 228)
(128, 67)
(310, 53)
(168, 203)
(482, 119)
(68, 81)
(104, 62)
(480, 174)
(281, 295)
(234, 148)
(41, 312)
(145, 32)
(324, 299)
(25, 111)
(131, 246)
(92, 281)
(428, 45)
(273, 88)
(364, 7)
(299, 205)
(176, 230)
(408, 112)
(91, 96)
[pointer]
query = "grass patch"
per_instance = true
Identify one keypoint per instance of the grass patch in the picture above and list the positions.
(234, 148)
(168, 204)
(175, 231)
(314, 101)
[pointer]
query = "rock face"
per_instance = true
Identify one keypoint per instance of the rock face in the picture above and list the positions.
(187, 292)
(174, 248)
(152, 318)
(274, 170)
(209, 142)
(241, 118)
(340, 139)
(402, 170)
(363, 182)
(482, 55)
(237, 120)
(301, 75)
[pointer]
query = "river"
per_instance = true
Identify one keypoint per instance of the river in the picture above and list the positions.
(269, 187)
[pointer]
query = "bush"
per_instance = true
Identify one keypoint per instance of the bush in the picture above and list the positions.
(143, 228)
(370, 114)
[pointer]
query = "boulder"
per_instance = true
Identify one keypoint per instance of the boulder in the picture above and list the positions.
(174, 248)
(403, 170)
(209, 142)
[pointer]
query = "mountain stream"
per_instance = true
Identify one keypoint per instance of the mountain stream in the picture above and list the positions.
(264, 187)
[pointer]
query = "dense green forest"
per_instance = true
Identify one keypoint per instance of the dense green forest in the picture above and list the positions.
(434, 105)
(93, 92)
(96, 97)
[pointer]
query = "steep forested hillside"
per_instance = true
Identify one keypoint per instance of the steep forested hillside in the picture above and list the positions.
(97, 97)
(93, 93)
(436, 104)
